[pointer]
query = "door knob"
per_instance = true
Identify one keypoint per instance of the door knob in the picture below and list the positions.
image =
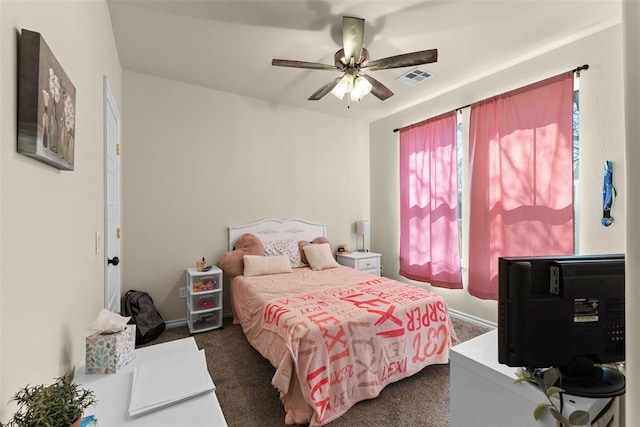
(115, 261)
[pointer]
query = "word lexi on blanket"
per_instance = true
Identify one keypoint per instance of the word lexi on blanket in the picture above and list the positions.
(338, 360)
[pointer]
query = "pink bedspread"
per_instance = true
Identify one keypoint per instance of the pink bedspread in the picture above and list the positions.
(339, 336)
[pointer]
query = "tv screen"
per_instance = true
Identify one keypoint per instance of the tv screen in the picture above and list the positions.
(565, 312)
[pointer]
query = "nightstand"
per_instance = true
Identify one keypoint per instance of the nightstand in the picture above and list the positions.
(204, 299)
(363, 261)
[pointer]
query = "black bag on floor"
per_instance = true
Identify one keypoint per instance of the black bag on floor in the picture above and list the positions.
(149, 323)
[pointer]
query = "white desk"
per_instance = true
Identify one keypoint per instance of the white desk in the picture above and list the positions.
(113, 392)
(483, 393)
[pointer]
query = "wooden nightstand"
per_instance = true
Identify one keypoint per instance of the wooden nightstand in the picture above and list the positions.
(363, 261)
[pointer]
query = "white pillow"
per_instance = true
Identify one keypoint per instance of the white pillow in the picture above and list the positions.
(320, 256)
(257, 265)
(288, 247)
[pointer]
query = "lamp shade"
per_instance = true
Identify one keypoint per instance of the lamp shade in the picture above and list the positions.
(343, 87)
(363, 228)
(361, 87)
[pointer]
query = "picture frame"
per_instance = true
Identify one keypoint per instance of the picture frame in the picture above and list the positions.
(46, 105)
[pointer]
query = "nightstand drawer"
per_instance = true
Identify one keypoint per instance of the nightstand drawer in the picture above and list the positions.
(368, 263)
(363, 261)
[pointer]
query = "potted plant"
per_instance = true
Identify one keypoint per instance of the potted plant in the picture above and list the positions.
(60, 404)
(546, 380)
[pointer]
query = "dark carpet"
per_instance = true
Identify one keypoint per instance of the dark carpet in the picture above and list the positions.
(243, 385)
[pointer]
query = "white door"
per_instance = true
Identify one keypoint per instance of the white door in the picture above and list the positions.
(112, 201)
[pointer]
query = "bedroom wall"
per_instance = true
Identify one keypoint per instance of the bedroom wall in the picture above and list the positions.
(601, 136)
(51, 279)
(197, 160)
(631, 61)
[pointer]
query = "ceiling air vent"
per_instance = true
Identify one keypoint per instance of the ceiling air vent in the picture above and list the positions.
(414, 77)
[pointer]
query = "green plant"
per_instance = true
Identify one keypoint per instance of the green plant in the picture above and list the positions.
(54, 405)
(547, 380)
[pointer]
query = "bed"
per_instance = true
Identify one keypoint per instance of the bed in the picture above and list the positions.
(336, 335)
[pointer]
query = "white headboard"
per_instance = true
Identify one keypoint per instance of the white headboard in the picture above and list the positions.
(278, 229)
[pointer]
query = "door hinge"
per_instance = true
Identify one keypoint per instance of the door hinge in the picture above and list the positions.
(118, 233)
(117, 149)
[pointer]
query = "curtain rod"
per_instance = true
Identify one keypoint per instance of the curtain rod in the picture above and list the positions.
(575, 70)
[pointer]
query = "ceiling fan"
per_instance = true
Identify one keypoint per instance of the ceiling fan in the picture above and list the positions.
(354, 58)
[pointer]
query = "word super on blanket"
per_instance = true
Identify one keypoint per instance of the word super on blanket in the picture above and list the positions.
(350, 341)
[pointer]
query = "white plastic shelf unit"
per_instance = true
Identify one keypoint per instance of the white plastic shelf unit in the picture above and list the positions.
(204, 300)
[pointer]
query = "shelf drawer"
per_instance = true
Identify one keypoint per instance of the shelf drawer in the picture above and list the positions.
(206, 283)
(199, 322)
(200, 302)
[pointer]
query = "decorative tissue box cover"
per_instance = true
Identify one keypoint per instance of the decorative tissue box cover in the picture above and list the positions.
(107, 353)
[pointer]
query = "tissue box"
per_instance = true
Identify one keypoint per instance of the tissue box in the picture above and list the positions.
(108, 353)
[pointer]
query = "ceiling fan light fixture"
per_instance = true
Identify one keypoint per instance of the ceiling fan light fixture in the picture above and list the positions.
(361, 88)
(343, 87)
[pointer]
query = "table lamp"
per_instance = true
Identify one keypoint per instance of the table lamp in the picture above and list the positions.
(363, 228)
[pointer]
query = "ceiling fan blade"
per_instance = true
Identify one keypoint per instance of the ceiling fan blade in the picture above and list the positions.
(404, 60)
(379, 90)
(303, 64)
(324, 90)
(352, 38)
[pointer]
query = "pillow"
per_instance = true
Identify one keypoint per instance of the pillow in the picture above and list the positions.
(256, 265)
(320, 256)
(288, 247)
(247, 244)
(303, 243)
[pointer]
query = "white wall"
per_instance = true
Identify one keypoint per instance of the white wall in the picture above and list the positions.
(631, 22)
(197, 160)
(601, 138)
(51, 279)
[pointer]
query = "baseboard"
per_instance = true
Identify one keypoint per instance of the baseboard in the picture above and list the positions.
(471, 319)
(176, 323)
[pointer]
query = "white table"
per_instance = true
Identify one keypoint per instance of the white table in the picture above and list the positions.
(483, 393)
(113, 393)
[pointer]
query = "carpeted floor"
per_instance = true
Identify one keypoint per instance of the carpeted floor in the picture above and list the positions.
(243, 385)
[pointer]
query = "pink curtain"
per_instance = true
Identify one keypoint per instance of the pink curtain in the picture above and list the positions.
(521, 178)
(429, 243)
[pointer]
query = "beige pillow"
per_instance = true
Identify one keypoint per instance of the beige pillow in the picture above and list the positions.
(303, 243)
(320, 256)
(257, 265)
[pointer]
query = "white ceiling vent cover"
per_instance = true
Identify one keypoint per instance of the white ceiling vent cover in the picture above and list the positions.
(414, 77)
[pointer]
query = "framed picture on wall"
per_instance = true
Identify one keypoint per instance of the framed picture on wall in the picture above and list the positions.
(46, 105)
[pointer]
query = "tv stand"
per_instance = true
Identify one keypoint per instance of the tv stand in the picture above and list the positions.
(585, 379)
(483, 393)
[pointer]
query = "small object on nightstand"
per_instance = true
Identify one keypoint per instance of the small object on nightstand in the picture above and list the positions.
(343, 249)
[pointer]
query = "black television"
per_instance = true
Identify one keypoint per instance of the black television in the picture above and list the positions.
(565, 312)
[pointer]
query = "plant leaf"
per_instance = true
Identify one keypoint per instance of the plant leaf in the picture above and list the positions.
(522, 375)
(551, 376)
(553, 390)
(539, 411)
(558, 416)
(579, 418)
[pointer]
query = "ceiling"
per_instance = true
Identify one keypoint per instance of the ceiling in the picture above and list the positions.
(229, 45)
